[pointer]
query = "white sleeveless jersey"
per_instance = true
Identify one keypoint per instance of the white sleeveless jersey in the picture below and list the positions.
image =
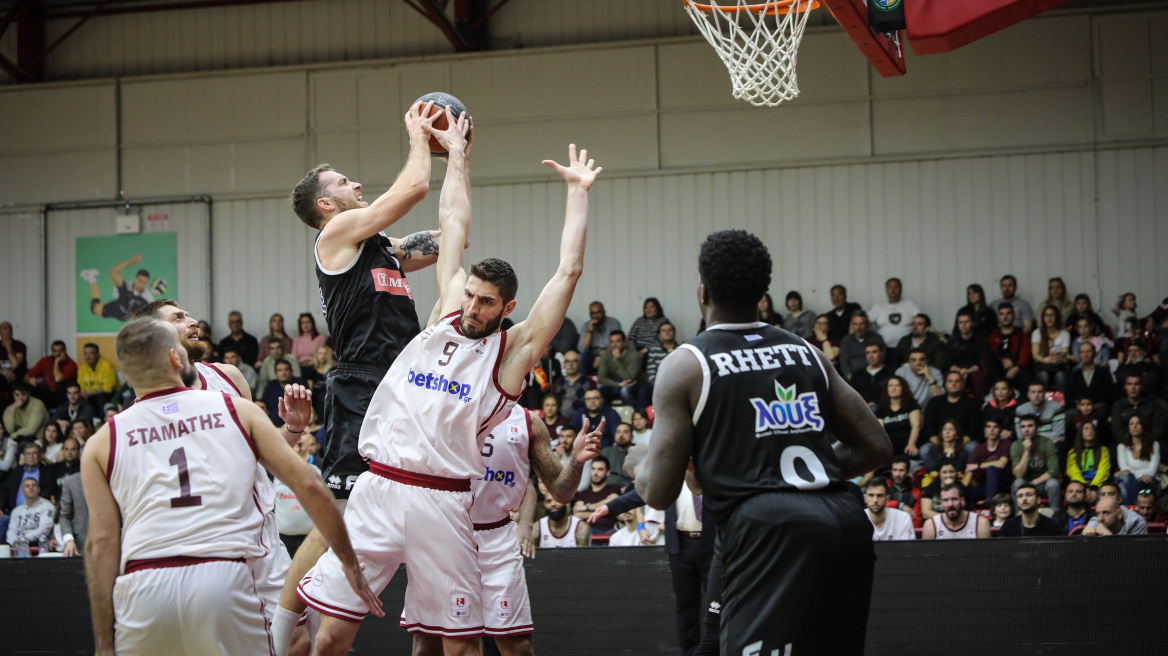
(182, 470)
(549, 539)
(506, 455)
(435, 407)
(966, 532)
(214, 380)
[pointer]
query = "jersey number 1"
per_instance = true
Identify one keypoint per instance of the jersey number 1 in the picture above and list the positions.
(184, 500)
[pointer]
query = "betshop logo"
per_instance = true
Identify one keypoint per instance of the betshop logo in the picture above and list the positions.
(440, 384)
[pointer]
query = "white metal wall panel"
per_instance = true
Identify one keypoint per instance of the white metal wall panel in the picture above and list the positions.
(188, 220)
(21, 292)
(1133, 225)
(1132, 64)
(532, 23)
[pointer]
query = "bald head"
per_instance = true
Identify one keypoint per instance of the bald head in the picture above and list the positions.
(1110, 513)
(145, 346)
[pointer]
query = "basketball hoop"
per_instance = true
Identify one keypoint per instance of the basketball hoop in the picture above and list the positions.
(758, 43)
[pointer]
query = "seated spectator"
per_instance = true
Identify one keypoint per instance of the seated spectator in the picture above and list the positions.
(1023, 315)
(1139, 461)
(1029, 522)
(1012, 348)
(267, 369)
(564, 447)
(767, 313)
(1083, 310)
(598, 493)
(955, 522)
(924, 382)
(315, 374)
(628, 530)
(559, 529)
(1002, 508)
(616, 453)
(573, 385)
(73, 408)
(970, 355)
(839, 317)
(81, 430)
(955, 405)
(620, 373)
(643, 333)
(798, 320)
(70, 462)
(931, 502)
(1125, 315)
(51, 374)
(33, 516)
(1137, 363)
(1084, 333)
(1112, 519)
(1076, 510)
(1088, 461)
(595, 411)
(851, 357)
(551, 415)
(74, 516)
(212, 353)
(1002, 405)
(1089, 380)
(1050, 346)
(666, 342)
(240, 341)
(274, 392)
(989, 465)
(1056, 296)
(305, 345)
(869, 381)
(1049, 415)
(276, 331)
(594, 336)
(949, 446)
(821, 340)
(1136, 402)
(540, 379)
(984, 317)
(1086, 413)
(27, 417)
(921, 336)
(1034, 459)
(53, 442)
(893, 319)
(901, 417)
(1147, 509)
(32, 465)
(903, 489)
(308, 448)
(97, 377)
(887, 523)
(642, 429)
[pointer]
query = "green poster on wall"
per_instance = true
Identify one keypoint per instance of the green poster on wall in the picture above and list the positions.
(120, 274)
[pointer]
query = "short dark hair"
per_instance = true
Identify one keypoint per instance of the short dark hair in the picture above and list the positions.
(143, 272)
(964, 313)
(928, 321)
(1010, 276)
(1025, 418)
(152, 308)
(735, 267)
(1005, 305)
(795, 295)
(877, 482)
(901, 458)
(276, 340)
(498, 273)
(618, 331)
(304, 196)
(1036, 383)
(22, 387)
(59, 343)
(954, 486)
(92, 346)
(874, 341)
(71, 384)
(896, 279)
(666, 323)
(282, 362)
(607, 465)
(992, 420)
(1069, 484)
(947, 462)
(920, 350)
(1026, 484)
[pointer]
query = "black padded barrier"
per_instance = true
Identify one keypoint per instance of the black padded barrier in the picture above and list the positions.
(1003, 596)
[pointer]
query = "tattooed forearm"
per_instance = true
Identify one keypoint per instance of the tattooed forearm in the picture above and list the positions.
(421, 242)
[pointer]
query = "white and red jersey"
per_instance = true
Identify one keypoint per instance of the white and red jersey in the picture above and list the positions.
(549, 539)
(182, 470)
(967, 531)
(432, 412)
(214, 380)
(507, 457)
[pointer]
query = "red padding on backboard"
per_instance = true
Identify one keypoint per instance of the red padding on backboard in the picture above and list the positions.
(936, 26)
(852, 15)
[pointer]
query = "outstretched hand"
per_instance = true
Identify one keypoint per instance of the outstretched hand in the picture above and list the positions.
(296, 407)
(356, 576)
(454, 136)
(587, 444)
(416, 118)
(579, 170)
(597, 514)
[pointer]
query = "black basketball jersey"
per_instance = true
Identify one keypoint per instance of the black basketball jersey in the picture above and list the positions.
(368, 305)
(760, 424)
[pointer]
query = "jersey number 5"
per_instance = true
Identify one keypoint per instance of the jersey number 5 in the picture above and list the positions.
(184, 500)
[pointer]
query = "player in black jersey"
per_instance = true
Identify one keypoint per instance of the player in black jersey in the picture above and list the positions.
(367, 302)
(756, 408)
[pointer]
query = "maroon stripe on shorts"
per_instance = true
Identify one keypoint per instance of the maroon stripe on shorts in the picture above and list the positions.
(174, 561)
(493, 525)
(419, 480)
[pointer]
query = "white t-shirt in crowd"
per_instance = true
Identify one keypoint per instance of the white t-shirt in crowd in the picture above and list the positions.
(1062, 341)
(626, 537)
(898, 525)
(893, 321)
(291, 518)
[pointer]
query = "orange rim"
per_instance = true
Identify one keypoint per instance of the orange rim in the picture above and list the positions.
(769, 8)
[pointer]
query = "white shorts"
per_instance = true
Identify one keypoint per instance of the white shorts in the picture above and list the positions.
(271, 570)
(196, 610)
(503, 595)
(429, 530)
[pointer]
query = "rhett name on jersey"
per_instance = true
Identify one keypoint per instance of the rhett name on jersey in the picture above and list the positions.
(177, 428)
(761, 358)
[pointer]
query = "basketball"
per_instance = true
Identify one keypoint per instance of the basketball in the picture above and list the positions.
(441, 101)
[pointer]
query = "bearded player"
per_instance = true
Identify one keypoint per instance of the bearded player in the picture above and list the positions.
(511, 451)
(429, 419)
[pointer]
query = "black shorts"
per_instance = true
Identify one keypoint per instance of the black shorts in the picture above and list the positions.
(348, 391)
(798, 571)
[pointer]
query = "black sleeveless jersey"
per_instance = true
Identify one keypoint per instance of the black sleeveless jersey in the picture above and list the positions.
(760, 424)
(368, 305)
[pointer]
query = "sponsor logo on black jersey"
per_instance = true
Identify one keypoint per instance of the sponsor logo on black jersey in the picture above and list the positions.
(788, 413)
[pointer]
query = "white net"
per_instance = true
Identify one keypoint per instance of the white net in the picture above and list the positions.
(758, 42)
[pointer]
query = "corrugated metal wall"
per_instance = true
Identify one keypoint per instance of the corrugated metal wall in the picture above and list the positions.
(21, 291)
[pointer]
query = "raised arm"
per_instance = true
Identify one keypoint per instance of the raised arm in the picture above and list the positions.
(340, 237)
(527, 340)
(116, 273)
(453, 213)
(103, 548)
(417, 251)
(561, 482)
(661, 475)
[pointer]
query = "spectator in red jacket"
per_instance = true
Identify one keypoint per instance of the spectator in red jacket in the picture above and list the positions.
(49, 376)
(1011, 345)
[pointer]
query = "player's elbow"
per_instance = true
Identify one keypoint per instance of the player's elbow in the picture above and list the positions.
(571, 270)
